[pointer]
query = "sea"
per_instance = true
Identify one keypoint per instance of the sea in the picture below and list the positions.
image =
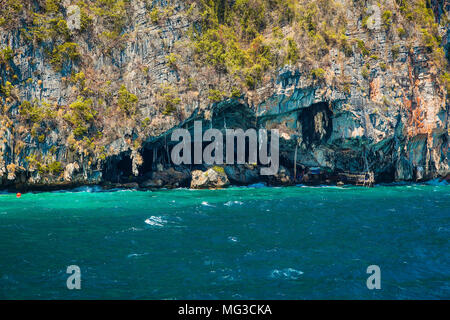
(253, 242)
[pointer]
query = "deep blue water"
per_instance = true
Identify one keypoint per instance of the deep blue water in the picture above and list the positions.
(238, 243)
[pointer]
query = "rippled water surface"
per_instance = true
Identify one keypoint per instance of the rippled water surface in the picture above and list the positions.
(239, 243)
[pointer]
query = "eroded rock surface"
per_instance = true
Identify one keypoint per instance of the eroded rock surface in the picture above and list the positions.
(209, 179)
(90, 92)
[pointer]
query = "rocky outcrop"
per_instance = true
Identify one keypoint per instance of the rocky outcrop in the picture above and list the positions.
(169, 178)
(210, 179)
(243, 174)
(90, 93)
(282, 178)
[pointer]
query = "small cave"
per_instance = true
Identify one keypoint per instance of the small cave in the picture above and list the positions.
(148, 163)
(387, 175)
(316, 123)
(152, 155)
(118, 168)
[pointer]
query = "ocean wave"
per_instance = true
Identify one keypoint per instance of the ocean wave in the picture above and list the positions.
(206, 204)
(133, 229)
(155, 221)
(230, 203)
(89, 189)
(321, 186)
(287, 273)
(133, 255)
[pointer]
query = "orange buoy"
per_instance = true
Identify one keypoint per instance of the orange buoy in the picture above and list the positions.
(18, 195)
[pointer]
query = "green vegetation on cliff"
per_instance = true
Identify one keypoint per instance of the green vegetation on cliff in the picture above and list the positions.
(127, 101)
(94, 72)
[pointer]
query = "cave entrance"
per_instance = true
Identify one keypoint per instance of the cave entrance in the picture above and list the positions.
(152, 155)
(316, 123)
(119, 168)
(147, 156)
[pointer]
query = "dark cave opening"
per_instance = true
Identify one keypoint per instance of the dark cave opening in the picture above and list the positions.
(152, 155)
(147, 166)
(309, 118)
(118, 168)
(124, 167)
(387, 175)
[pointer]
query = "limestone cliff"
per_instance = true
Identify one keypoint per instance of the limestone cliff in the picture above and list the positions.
(91, 89)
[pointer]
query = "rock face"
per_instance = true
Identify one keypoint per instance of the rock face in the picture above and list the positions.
(242, 174)
(74, 18)
(210, 179)
(169, 178)
(90, 91)
(282, 178)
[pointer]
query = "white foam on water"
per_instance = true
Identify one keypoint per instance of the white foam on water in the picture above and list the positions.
(155, 221)
(287, 273)
(134, 229)
(88, 189)
(230, 203)
(206, 204)
(233, 239)
(132, 255)
(227, 277)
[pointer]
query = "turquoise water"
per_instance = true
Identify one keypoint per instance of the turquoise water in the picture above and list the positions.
(238, 243)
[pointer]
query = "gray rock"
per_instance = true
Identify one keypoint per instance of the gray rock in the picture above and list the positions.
(73, 18)
(209, 179)
(242, 174)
